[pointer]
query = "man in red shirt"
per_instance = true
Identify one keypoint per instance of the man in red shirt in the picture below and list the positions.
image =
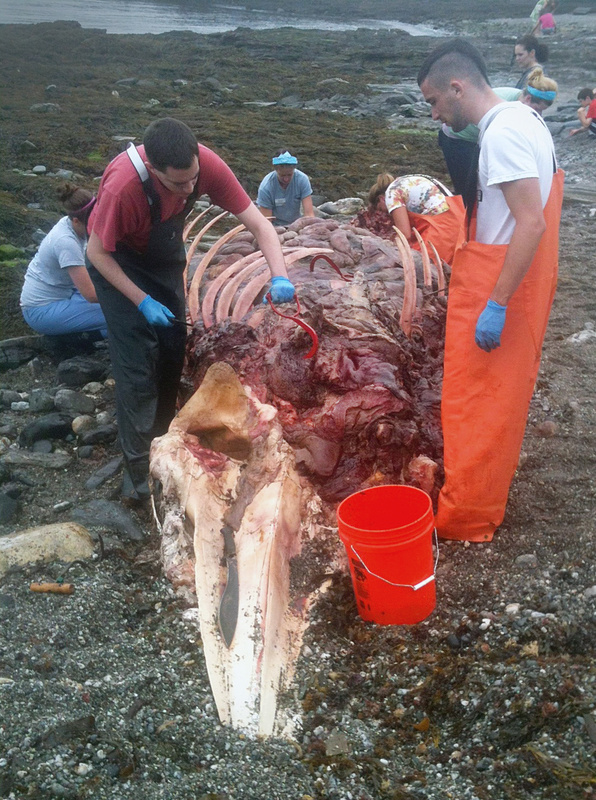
(586, 113)
(136, 261)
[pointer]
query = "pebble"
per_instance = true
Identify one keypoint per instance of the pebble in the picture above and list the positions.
(38, 236)
(104, 418)
(40, 401)
(527, 560)
(21, 405)
(104, 473)
(7, 601)
(546, 429)
(42, 446)
(94, 387)
(103, 433)
(83, 423)
(8, 397)
(590, 592)
(70, 401)
(512, 609)
(86, 451)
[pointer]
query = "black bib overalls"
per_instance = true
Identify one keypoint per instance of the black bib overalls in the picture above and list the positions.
(147, 360)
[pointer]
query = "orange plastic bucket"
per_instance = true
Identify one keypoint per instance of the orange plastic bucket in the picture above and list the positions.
(387, 532)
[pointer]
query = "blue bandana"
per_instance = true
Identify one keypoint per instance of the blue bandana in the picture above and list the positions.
(547, 96)
(284, 158)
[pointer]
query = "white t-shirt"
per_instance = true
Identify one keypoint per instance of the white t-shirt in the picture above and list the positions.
(47, 278)
(514, 144)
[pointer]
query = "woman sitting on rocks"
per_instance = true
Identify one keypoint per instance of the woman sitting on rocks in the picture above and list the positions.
(58, 296)
(414, 201)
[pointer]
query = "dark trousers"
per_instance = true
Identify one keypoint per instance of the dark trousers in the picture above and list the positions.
(147, 364)
(459, 155)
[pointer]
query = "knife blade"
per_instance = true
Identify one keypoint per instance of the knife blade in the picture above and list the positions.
(228, 605)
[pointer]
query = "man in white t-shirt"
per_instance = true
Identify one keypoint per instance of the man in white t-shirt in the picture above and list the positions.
(515, 169)
(501, 288)
(515, 146)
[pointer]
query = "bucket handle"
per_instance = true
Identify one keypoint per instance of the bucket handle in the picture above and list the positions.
(416, 586)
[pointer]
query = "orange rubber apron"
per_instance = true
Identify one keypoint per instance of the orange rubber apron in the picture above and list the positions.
(486, 396)
(444, 230)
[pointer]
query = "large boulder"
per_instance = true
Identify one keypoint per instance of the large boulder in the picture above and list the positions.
(65, 541)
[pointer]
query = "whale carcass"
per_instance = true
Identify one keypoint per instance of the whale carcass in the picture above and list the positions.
(285, 416)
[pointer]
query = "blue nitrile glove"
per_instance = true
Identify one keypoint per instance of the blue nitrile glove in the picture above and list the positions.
(155, 313)
(490, 326)
(282, 290)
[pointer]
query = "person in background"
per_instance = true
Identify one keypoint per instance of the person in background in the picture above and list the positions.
(537, 11)
(283, 190)
(501, 290)
(58, 296)
(540, 91)
(414, 201)
(528, 54)
(586, 113)
(374, 217)
(546, 22)
(137, 262)
(459, 147)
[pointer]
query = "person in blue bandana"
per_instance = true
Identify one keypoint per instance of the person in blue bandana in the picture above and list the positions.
(283, 190)
(540, 92)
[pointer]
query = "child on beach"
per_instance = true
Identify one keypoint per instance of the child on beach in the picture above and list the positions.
(586, 113)
(546, 22)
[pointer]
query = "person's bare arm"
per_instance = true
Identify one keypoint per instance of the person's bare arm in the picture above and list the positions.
(266, 212)
(106, 265)
(307, 206)
(80, 278)
(525, 203)
(401, 220)
(585, 120)
(267, 239)
(582, 115)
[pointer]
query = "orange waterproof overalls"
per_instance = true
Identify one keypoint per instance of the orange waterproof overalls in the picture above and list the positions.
(486, 396)
(444, 230)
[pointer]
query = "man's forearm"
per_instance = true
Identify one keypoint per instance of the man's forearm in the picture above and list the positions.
(107, 266)
(267, 239)
(520, 253)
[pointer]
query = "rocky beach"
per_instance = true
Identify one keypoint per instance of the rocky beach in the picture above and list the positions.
(104, 692)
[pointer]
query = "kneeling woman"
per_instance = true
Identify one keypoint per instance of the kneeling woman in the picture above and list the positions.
(415, 201)
(540, 92)
(58, 296)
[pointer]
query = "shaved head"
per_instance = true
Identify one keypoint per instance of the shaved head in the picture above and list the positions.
(456, 59)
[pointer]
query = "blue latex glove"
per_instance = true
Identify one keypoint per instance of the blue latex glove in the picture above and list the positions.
(490, 326)
(155, 313)
(282, 290)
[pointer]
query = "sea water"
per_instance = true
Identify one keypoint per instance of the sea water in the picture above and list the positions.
(142, 16)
